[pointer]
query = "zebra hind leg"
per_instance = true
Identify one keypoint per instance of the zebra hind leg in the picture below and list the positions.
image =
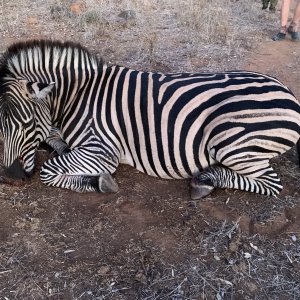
(201, 186)
(266, 183)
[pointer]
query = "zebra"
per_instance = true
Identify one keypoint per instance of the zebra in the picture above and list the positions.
(219, 129)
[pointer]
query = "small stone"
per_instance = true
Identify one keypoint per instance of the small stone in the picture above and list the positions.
(252, 287)
(127, 14)
(77, 7)
(140, 276)
(104, 270)
(98, 227)
(31, 21)
(234, 246)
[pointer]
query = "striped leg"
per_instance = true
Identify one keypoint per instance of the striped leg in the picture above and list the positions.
(80, 171)
(56, 142)
(266, 181)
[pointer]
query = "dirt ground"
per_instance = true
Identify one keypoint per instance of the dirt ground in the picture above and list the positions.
(149, 240)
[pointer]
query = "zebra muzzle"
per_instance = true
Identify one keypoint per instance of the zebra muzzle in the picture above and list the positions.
(16, 170)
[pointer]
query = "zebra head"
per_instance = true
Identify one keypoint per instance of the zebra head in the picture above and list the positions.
(25, 121)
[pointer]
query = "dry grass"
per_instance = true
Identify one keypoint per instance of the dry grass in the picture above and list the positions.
(211, 22)
(172, 35)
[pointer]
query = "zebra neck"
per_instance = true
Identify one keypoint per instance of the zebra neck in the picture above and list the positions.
(73, 94)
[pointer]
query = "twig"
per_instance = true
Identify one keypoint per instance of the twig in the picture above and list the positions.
(290, 260)
(177, 288)
(205, 281)
(261, 285)
(5, 271)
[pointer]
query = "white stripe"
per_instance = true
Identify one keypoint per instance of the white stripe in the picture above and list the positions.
(99, 112)
(124, 157)
(140, 129)
(127, 120)
(153, 139)
(166, 85)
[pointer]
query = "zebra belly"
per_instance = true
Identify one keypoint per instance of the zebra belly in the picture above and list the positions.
(172, 173)
(170, 167)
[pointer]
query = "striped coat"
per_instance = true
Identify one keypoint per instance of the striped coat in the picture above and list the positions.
(220, 129)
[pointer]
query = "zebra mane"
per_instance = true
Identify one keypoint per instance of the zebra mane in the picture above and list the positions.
(11, 59)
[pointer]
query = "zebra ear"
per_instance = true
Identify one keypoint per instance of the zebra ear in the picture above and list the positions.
(41, 90)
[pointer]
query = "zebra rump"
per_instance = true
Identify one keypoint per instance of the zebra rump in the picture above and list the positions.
(220, 129)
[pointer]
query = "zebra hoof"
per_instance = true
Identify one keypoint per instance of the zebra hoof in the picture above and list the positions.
(107, 184)
(198, 192)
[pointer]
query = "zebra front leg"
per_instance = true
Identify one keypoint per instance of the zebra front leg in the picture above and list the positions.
(80, 171)
(103, 183)
(56, 141)
(266, 183)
